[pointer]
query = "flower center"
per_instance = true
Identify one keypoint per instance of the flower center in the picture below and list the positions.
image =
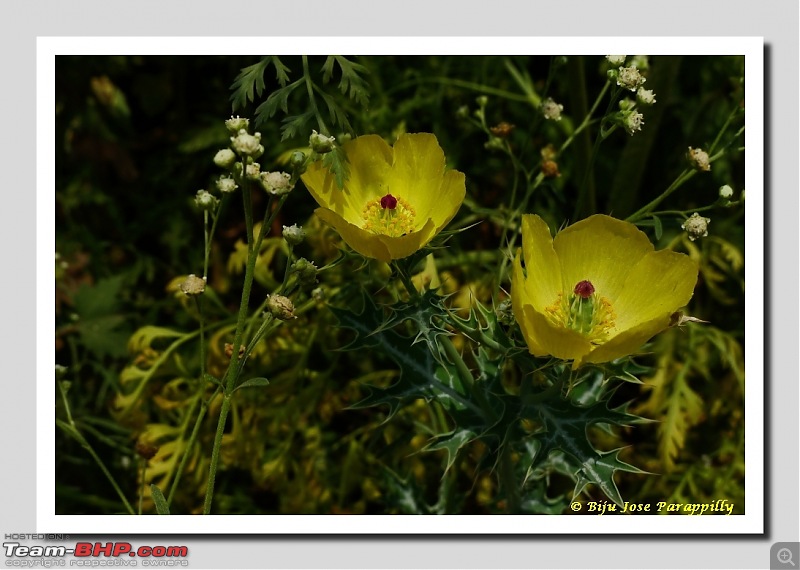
(584, 311)
(389, 215)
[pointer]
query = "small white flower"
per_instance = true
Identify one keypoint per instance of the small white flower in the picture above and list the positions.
(193, 285)
(253, 171)
(696, 226)
(726, 192)
(699, 159)
(277, 183)
(225, 158)
(632, 122)
(226, 184)
(629, 78)
(205, 201)
(320, 143)
(551, 109)
(616, 59)
(645, 96)
(235, 124)
(246, 144)
(293, 234)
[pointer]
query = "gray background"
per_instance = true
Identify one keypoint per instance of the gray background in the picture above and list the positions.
(777, 22)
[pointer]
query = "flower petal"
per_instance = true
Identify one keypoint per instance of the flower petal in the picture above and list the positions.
(543, 283)
(449, 198)
(519, 299)
(659, 284)
(417, 172)
(377, 246)
(601, 249)
(403, 246)
(362, 241)
(369, 158)
(628, 341)
(557, 341)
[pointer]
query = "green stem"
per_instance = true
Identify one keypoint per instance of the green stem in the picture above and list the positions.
(587, 190)
(312, 101)
(644, 211)
(234, 368)
(87, 446)
(141, 489)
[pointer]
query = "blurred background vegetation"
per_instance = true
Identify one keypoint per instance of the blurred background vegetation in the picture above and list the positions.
(135, 141)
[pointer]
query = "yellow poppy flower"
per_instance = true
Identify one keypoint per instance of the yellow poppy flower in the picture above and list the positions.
(596, 292)
(395, 200)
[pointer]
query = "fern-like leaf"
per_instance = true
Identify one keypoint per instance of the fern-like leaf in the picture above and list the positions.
(250, 81)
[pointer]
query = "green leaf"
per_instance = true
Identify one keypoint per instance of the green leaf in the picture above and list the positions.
(71, 431)
(684, 409)
(565, 429)
(100, 299)
(278, 99)
(658, 227)
(162, 507)
(295, 125)
(336, 162)
(251, 81)
(252, 383)
(351, 82)
(101, 329)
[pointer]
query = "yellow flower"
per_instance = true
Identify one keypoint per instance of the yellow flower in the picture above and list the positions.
(395, 200)
(596, 292)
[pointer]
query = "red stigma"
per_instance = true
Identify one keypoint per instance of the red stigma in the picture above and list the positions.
(584, 289)
(388, 202)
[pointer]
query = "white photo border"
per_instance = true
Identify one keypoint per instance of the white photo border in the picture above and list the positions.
(752, 522)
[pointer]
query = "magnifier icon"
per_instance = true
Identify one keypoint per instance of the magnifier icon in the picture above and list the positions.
(785, 556)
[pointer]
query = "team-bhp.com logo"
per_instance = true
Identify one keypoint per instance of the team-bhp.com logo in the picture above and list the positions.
(95, 550)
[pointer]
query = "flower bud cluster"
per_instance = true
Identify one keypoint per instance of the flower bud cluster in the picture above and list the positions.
(629, 117)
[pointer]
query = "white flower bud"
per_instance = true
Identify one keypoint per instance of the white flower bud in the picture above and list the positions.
(320, 143)
(225, 158)
(630, 78)
(277, 183)
(551, 109)
(205, 201)
(236, 124)
(616, 59)
(632, 122)
(247, 145)
(699, 159)
(696, 226)
(726, 192)
(226, 184)
(193, 285)
(253, 171)
(280, 307)
(645, 96)
(293, 235)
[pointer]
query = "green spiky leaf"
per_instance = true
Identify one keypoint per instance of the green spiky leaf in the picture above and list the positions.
(565, 429)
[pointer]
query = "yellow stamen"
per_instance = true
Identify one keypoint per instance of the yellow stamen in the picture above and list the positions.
(393, 222)
(592, 316)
